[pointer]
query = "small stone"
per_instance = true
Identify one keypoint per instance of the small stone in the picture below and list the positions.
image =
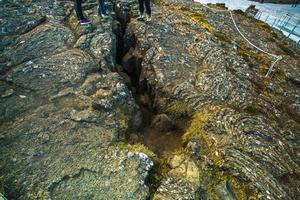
(44, 137)
(194, 148)
(8, 93)
(101, 93)
(176, 161)
(225, 191)
(102, 104)
(162, 123)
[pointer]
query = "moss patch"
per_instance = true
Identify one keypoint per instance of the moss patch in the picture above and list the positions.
(179, 109)
(137, 148)
(212, 176)
(197, 127)
(199, 19)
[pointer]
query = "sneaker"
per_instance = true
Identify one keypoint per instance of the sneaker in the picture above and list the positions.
(84, 21)
(104, 16)
(140, 18)
(149, 19)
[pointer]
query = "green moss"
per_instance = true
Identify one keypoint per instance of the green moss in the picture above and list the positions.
(214, 177)
(178, 109)
(157, 174)
(196, 129)
(195, 16)
(137, 148)
(248, 54)
(222, 37)
(199, 19)
(158, 171)
(286, 48)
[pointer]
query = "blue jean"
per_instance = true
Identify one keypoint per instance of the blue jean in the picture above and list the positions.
(102, 7)
(145, 3)
(78, 9)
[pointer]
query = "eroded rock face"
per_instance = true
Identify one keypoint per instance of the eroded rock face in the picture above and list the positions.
(247, 125)
(182, 181)
(63, 109)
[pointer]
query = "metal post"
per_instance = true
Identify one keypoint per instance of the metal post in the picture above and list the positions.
(293, 29)
(267, 18)
(259, 14)
(287, 21)
(281, 24)
(274, 22)
(279, 20)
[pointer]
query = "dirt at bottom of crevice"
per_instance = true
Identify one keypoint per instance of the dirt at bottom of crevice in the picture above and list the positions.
(162, 143)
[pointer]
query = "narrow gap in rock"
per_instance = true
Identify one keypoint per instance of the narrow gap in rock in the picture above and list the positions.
(158, 132)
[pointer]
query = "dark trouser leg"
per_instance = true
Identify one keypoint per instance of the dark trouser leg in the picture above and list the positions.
(78, 9)
(148, 7)
(141, 6)
(102, 7)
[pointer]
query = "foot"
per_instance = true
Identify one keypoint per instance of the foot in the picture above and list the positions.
(104, 16)
(84, 21)
(140, 18)
(149, 19)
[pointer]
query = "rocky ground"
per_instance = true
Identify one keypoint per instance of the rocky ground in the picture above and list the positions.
(73, 97)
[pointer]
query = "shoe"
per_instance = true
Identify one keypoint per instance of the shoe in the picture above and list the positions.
(149, 19)
(84, 21)
(140, 18)
(104, 16)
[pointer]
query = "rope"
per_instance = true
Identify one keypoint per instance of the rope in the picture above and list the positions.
(271, 68)
(277, 57)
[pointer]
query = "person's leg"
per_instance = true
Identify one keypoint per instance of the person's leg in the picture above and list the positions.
(102, 7)
(148, 10)
(141, 7)
(78, 9)
(148, 7)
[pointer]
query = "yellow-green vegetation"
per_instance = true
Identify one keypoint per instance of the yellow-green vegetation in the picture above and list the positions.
(263, 59)
(123, 124)
(178, 108)
(195, 16)
(40, 194)
(199, 19)
(196, 129)
(213, 176)
(137, 148)
(286, 48)
(222, 37)
(158, 171)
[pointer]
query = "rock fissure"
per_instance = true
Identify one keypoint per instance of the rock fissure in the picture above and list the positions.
(85, 110)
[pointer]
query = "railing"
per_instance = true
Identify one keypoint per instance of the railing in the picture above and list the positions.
(288, 23)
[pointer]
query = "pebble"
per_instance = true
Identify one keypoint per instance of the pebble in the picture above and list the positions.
(8, 93)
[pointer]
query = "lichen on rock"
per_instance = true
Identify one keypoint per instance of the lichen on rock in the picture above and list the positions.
(72, 95)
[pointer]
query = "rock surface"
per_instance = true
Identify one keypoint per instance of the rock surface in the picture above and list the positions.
(64, 109)
(182, 181)
(195, 63)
